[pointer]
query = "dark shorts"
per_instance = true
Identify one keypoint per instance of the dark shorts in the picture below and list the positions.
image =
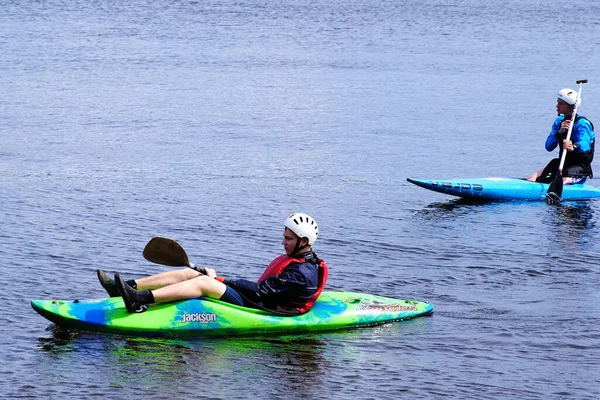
(233, 297)
(576, 171)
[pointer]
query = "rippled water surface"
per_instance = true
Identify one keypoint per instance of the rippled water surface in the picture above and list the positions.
(210, 121)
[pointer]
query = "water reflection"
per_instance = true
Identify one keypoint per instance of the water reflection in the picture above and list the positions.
(571, 223)
(451, 209)
(287, 361)
(59, 341)
(579, 216)
(576, 214)
(177, 366)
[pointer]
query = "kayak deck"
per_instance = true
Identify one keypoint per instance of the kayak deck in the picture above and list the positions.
(503, 189)
(209, 317)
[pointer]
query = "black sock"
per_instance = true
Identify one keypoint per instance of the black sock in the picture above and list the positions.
(131, 282)
(145, 296)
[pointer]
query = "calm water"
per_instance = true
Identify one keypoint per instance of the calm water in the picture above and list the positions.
(210, 121)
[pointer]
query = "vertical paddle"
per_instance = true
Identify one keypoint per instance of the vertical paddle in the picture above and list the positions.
(556, 186)
(165, 251)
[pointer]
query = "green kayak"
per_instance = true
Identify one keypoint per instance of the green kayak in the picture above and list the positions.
(207, 317)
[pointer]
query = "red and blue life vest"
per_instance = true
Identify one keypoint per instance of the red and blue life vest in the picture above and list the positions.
(277, 266)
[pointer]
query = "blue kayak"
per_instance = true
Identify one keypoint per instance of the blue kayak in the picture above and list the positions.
(504, 189)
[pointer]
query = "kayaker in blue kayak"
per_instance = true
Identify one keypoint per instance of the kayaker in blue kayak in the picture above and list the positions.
(289, 286)
(580, 147)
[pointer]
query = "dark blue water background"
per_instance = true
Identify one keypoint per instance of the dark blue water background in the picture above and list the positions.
(210, 121)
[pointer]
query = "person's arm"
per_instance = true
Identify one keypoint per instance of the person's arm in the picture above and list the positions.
(294, 281)
(555, 135)
(582, 136)
(243, 285)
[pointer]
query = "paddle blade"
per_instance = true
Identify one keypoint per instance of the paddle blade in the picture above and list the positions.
(555, 190)
(166, 251)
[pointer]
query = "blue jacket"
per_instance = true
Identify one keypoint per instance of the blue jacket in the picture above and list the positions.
(582, 135)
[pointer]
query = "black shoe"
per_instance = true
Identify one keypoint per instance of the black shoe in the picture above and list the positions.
(107, 283)
(131, 296)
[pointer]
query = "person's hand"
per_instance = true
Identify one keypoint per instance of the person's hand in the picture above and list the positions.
(210, 272)
(564, 126)
(568, 144)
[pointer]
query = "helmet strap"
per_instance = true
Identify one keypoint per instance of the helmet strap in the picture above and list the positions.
(297, 247)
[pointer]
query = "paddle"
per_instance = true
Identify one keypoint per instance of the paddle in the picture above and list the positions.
(556, 186)
(165, 251)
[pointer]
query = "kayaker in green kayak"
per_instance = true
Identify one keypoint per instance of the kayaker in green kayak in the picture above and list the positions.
(289, 286)
(580, 147)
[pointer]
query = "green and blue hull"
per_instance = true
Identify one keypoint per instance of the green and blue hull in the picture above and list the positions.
(208, 317)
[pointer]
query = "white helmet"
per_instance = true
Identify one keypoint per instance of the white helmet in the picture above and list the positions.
(569, 96)
(303, 226)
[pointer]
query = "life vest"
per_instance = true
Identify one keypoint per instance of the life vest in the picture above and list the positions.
(590, 154)
(582, 159)
(277, 266)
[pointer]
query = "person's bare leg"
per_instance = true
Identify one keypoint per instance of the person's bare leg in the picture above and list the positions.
(190, 289)
(535, 175)
(166, 278)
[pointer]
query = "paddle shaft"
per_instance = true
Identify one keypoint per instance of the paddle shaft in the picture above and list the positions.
(556, 186)
(570, 130)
